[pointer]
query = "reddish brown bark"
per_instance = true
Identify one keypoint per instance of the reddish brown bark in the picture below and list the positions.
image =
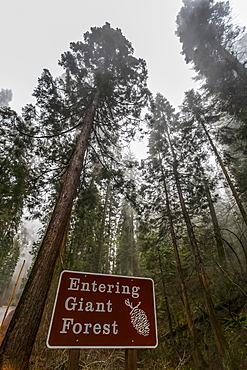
(19, 339)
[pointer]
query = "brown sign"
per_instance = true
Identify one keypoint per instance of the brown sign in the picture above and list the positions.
(95, 310)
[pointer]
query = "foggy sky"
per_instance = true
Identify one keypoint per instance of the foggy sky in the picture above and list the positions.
(35, 33)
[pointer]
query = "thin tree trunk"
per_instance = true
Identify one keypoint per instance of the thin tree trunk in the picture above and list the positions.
(109, 242)
(228, 179)
(217, 233)
(166, 298)
(131, 353)
(101, 239)
(19, 339)
(221, 343)
(241, 244)
(198, 359)
(133, 256)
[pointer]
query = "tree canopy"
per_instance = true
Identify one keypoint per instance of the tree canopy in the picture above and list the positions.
(178, 216)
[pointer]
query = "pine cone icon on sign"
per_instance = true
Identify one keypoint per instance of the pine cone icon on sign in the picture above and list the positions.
(139, 319)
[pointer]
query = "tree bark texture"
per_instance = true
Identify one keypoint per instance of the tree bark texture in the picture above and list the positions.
(19, 339)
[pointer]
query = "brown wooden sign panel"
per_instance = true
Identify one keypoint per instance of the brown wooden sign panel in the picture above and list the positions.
(96, 310)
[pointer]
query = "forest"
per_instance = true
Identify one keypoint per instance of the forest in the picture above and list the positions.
(178, 216)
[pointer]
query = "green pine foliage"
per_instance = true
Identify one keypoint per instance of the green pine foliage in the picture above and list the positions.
(127, 217)
(15, 190)
(214, 45)
(82, 246)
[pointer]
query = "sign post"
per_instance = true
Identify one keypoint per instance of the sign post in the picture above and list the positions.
(74, 357)
(130, 359)
(103, 311)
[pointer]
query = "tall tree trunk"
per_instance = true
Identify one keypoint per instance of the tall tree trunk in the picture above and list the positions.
(228, 179)
(169, 316)
(217, 233)
(19, 339)
(198, 359)
(101, 239)
(110, 227)
(40, 340)
(221, 342)
(131, 358)
(134, 265)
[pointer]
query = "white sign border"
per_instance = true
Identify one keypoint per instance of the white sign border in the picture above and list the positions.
(117, 347)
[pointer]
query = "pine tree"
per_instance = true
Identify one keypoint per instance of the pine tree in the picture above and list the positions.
(126, 258)
(106, 86)
(159, 145)
(199, 113)
(15, 190)
(210, 41)
(82, 245)
(168, 117)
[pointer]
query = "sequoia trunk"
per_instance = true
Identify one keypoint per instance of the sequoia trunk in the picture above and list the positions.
(19, 339)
